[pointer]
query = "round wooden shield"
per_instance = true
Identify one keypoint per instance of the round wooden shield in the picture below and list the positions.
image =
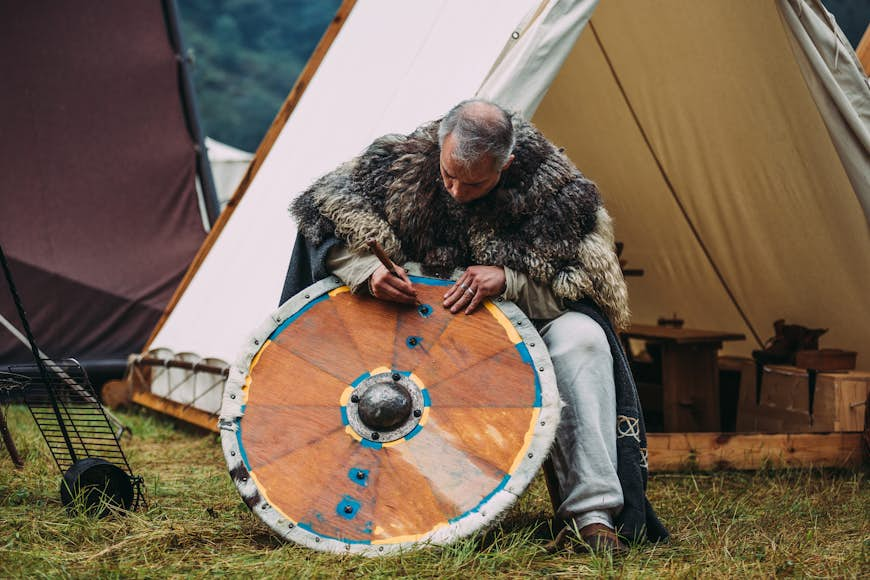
(353, 425)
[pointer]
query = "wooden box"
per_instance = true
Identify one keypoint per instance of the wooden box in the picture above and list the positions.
(784, 407)
(826, 359)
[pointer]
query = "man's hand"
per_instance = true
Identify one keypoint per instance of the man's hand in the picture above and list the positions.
(385, 286)
(476, 284)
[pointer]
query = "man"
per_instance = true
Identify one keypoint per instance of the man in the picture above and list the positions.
(486, 192)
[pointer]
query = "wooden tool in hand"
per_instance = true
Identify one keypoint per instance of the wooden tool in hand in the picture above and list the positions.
(378, 251)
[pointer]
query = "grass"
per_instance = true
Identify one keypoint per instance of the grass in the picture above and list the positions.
(792, 523)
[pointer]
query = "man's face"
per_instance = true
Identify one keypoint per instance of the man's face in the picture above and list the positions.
(466, 184)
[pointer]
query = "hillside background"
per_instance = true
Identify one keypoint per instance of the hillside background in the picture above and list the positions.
(248, 53)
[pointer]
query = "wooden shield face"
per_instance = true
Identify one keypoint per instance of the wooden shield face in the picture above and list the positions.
(353, 425)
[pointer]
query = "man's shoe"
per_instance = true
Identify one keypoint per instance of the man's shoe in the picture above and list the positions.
(595, 538)
(602, 540)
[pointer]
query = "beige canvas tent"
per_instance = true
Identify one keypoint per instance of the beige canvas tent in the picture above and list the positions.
(730, 139)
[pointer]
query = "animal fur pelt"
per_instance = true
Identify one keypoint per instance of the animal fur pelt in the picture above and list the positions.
(544, 218)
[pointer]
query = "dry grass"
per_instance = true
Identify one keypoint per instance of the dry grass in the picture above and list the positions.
(808, 523)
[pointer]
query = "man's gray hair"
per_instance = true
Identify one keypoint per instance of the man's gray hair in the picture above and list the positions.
(479, 128)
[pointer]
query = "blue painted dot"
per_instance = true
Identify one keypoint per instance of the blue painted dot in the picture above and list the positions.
(425, 310)
(359, 476)
(348, 507)
(413, 341)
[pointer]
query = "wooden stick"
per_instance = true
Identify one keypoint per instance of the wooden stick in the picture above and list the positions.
(378, 251)
(10, 444)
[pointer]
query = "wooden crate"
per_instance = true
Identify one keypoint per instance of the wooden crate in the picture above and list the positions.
(784, 407)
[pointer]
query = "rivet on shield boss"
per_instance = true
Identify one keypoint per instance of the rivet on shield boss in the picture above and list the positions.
(371, 427)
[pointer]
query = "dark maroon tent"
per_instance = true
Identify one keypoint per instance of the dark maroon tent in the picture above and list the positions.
(99, 212)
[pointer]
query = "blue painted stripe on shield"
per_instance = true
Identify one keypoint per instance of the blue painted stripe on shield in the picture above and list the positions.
(524, 353)
(413, 432)
(489, 496)
(296, 315)
(239, 441)
(527, 358)
(430, 281)
(309, 529)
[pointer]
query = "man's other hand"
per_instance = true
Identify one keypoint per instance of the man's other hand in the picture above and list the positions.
(385, 286)
(476, 284)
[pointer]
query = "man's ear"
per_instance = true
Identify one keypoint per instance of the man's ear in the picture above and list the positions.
(509, 161)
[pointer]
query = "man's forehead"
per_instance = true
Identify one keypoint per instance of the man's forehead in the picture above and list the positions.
(482, 167)
(481, 170)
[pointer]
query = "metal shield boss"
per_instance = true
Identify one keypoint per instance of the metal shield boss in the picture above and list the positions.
(354, 425)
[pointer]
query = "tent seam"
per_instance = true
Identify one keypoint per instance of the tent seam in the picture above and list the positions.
(672, 189)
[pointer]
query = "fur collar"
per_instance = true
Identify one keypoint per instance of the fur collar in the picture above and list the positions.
(544, 218)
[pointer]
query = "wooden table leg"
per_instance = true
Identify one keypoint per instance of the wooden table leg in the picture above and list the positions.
(690, 380)
(10, 444)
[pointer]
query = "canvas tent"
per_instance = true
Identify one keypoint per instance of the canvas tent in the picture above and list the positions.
(98, 151)
(228, 166)
(730, 139)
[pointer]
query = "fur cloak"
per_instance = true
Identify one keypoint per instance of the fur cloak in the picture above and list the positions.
(544, 218)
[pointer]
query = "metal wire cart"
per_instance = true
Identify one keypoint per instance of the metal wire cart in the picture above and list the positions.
(84, 439)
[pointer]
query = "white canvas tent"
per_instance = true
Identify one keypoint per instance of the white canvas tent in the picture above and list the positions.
(730, 139)
(228, 167)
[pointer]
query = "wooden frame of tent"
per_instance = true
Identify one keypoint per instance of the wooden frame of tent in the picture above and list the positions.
(668, 451)
(863, 50)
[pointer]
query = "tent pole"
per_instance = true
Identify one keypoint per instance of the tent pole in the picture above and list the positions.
(191, 113)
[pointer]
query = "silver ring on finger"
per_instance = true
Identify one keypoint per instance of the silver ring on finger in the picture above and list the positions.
(464, 286)
(469, 291)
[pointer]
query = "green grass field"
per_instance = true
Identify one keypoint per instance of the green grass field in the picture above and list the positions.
(796, 523)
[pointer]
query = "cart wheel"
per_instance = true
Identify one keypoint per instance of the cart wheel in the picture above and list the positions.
(93, 486)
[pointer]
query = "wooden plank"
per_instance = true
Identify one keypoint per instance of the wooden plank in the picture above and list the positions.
(404, 502)
(690, 387)
(467, 341)
(259, 157)
(679, 335)
(306, 338)
(178, 410)
(496, 435)
(282, 378)
(311, 484)
(713, 451)
(271, 433)
(841, 402)
(785, 408)
(502, 380)
(371, 325)
(732, 363)
(427, 330)
(455, 477)
(863, 51)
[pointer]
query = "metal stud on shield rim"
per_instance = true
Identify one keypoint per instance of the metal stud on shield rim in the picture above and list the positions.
(354, 425)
